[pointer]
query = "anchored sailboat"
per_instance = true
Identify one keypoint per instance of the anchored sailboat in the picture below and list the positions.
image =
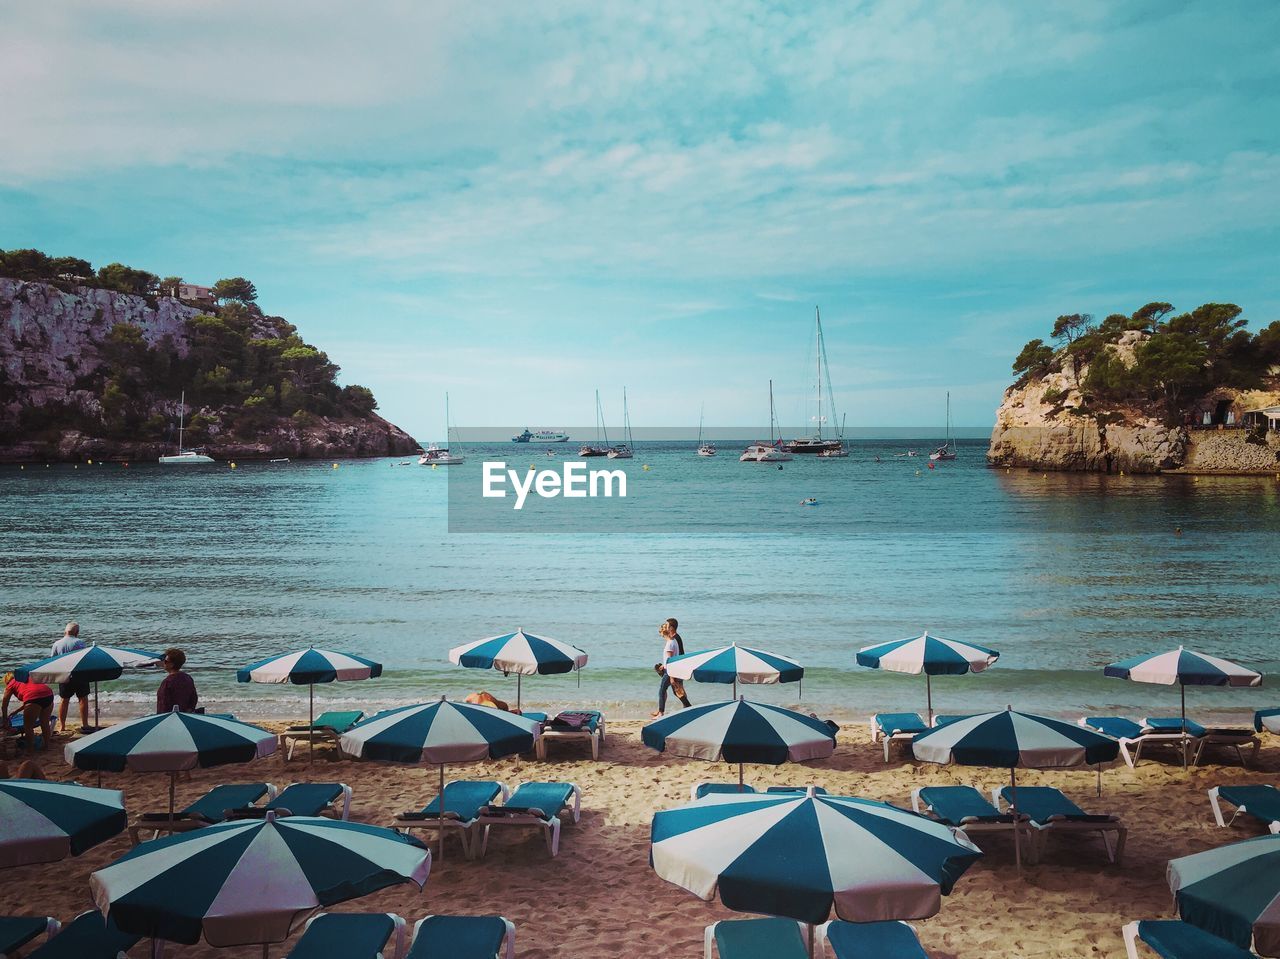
(771, 452)
(947, 451)
(184, 456)
(433, 455)
(623, 451)
(704, 449)
(597, 449)
(817, 443)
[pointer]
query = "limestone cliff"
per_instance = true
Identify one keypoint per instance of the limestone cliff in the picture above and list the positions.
(56, 380)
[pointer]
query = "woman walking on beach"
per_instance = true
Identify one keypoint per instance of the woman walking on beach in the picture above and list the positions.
(36, 707)
(672, 645)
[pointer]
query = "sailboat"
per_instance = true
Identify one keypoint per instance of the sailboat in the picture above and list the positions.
(762, 452)
(840, 451)
(623, 451)
(597, 449)
(704, 449)
(184, 456)
(947, 451)
(434, 455)
(817, 443)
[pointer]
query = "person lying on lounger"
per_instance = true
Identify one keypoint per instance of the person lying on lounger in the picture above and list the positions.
(483, 698)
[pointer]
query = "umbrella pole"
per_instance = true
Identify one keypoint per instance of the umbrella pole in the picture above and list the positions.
(95, 704)
(928, 695)
(440, 830)
(311, 722)
(173, 782)
(265, 951)
(741, 788)
(811, 940)
(519, 708)
(1017, 818)
(1182, 687)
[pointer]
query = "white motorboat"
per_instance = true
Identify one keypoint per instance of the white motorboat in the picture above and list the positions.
(185, 457)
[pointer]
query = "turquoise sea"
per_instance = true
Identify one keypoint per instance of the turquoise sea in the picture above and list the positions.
(1062, 573)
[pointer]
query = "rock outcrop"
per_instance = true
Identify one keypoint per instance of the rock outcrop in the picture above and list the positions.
(52, 350)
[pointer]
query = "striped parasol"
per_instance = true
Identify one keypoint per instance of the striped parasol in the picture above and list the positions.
(306, 667)
(1233, 892)
(92, 664)
(931, 655)
(804, 856)
(521, 653)
(47, 821)
(251, 881)
(735, 664)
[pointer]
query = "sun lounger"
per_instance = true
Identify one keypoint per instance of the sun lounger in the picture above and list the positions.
(327, 728)
(210, 808)
(463, 937)
(585, 724)
(964, 808)
(864, 940)
(17, 931)
(1175, 939)
(1261, 801)
(946, 719)
(350, 935)
(817, 790)
(698, 790)
(755, 939)
(533, 804)
(87, 936)
(303, 799)
(895, 727)
(463, 801)
(1051, 811)
(1235, 738)
(1134, 737)
(1268, 719)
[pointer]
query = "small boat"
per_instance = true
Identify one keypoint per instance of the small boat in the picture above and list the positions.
(770, 452)
(947, 451)
(185, 457)
(597, 449)
(541, 436)
(704, 449)
(280, 459)
(435, 455)
(624, 450)
(817, 443)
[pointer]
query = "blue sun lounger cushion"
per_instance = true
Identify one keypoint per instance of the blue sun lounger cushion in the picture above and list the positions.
(463, 802)
(87, 936)
(960, 805)
(1051, 811)
(338, 721)
(1260, 717)
(348, 935)
(17, 931)
(537, 804)
(756, 939)
(714, 789)
(1259, 800)
(312, 799)
(895, 727)
(1117, 727)
(883, 940)
(1175, 939)
(946, 719)
(1173, 724)
(817, 790)
(462, 937)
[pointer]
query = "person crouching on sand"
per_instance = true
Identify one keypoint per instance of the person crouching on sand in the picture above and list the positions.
(672, 645)
(36, 706)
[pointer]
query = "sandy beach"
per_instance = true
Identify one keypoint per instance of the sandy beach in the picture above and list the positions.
(599, 897)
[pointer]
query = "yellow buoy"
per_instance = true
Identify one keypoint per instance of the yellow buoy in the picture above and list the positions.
(90, 462)
(233, 465)
(335, 465)
(646, 466)
(433, 466)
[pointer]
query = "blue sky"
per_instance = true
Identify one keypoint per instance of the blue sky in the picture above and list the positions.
(520, 203)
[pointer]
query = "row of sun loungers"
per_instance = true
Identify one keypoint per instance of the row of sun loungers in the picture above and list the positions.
(243, 801)
(471, 809)
(784, 939)
(889, 728)
(333, 935)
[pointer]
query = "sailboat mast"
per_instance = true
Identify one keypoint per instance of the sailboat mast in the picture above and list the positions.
(817, 349)
(701, 409)
(182, 409)
(771, 412)
(446, 419)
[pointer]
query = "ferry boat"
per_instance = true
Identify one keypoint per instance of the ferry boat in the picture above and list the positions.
(541, 436)
(817, 443)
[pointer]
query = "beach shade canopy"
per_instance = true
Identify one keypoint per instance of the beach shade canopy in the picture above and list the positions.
(1233, 892)
(170, 743)
(251, 881)
(931, 655)
(1012, 740)
(46, 821)
(803, 856)
(93, 664)
(521, 653)
(735, 664)
(1186, 668)
(741, 732)
(306, 667)
(440, 733)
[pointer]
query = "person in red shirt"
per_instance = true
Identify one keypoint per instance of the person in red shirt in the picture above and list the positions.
(36, 707)
(177, 690)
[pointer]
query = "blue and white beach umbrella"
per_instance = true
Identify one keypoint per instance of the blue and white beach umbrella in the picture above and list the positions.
(251, 881)
(735, 664)
(440, 733)
(804, 856)
(306, 667)
(1186, 668)
(170, 743)
(46, 821)
(1010, 740)
(521, 653)
(931, 655)
(741, 732)
(92, 664)
(1233, 892)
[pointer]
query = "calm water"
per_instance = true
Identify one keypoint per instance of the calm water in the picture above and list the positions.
(1061, 573)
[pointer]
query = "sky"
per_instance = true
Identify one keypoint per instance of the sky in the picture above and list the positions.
(522, 203)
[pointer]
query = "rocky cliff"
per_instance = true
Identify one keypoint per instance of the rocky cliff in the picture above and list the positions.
(1046, 422)
(60, 384)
